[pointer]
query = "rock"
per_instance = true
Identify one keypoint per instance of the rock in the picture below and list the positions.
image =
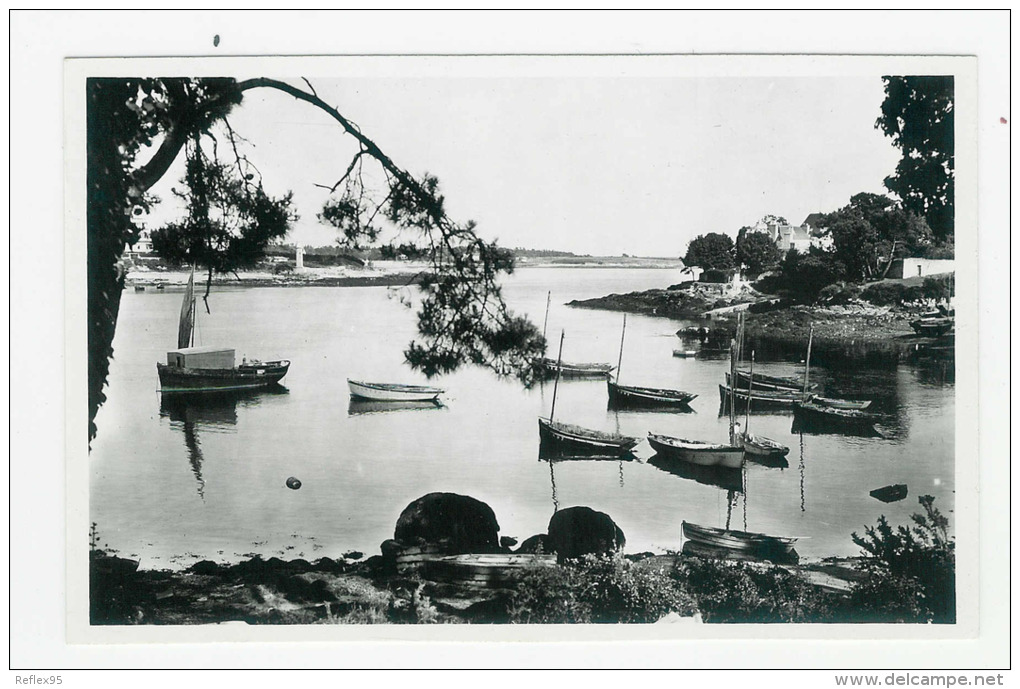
(205, 567)
(507, 542)
(458, 523)
(353, 555)
(293, 483)
(537, 544)
(577, 531)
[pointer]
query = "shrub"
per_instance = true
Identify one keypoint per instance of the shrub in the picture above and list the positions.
(839, 293)
(738, 592)
(885, 293)
(596, 589)
(911, 572)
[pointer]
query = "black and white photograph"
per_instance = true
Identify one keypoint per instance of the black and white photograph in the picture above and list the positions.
(521, 347)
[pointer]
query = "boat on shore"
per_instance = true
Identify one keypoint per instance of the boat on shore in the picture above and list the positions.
(697, 452)
(757, 544)
(392, 392)
(933, 327)
(200, 369)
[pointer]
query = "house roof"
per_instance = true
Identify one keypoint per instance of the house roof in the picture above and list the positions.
(815, 221)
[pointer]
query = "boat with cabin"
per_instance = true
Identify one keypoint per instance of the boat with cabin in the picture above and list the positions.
(206, 368)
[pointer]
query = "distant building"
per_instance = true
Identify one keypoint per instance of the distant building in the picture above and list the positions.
(801, 237)
(142, 246)
(920, 267)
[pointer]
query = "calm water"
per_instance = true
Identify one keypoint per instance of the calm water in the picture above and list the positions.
(179, 479)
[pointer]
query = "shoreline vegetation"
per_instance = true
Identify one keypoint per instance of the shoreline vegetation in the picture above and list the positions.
(903, 575)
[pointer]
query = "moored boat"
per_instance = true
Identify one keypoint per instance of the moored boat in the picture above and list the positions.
(850, 417)
(839, 403)
(587, 441)
(697, 452)
(781, 398)
(765, 382)
(201, 369)
(392, 392)
(571, 370)
(893, 493)
(685, 353)
(632, 395)
(761, 446)
(932, 327)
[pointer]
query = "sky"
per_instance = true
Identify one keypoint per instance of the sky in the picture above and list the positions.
(600, 165)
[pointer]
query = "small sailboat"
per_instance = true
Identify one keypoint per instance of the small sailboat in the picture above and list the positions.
(838, 413)
(632, 395)
(697, 452)
(574, 440)
(555, 367)
(199, 369)
(757, 444)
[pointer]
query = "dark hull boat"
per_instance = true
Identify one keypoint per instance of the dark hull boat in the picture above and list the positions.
(634, 396)
(255, 374)
(764, 382)
(575, 441)
(830, 416)
(835, 403)
(893, 493)
(566, 369)
(202, 369)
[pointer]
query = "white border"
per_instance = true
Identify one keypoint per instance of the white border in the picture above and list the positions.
(782, 654)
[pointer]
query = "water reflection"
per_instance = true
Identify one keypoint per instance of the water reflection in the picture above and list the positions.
(213, 411)
(720, 477)
(553, 460)
(357, 406)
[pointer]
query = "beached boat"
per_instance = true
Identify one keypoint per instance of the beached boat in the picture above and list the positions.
(932, 327)
(697, 452)
(742, 541)
(199, 369)
(392, 392)
(632, 395)
(571, 370)
(485, 570)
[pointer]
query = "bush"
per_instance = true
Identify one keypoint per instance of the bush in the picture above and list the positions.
(885, 293)
(911, 572)
(738, 592)
(596, 589)
(839, 293)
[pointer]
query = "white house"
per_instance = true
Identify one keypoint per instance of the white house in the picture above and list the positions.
(920, 267)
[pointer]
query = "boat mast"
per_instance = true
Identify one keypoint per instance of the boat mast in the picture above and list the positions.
(807, 360)
(556, 385)
(194, 314)
(750, 385)
(619, 363)
(548, 300)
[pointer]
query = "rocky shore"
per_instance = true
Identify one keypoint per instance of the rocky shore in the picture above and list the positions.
(398, 587)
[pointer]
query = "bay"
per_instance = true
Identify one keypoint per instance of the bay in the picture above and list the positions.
(177, 479)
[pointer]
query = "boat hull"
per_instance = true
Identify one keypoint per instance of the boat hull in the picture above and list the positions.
(765, 382)
(834, 403)
(934, 327)
(385, 392)
(629, 395)
(574, 440)
(572, 370)
(703, 454)
(740, 541)
(259, 375)
(773, 398)
(831, 415)
(761, 446)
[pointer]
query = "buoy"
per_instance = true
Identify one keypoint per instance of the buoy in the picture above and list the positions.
(293, 483)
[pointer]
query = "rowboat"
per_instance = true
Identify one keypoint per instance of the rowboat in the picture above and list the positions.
(632, 395)
(571, 370)
(764, 382)
(392, 392)
(488, 570)
(932, 327)
(742, 541)
(578, 440)
(761, 446)
(697, 452)
(848, 417)
(781, 398)
(684, 353)
(892, 493)
(835, 403)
